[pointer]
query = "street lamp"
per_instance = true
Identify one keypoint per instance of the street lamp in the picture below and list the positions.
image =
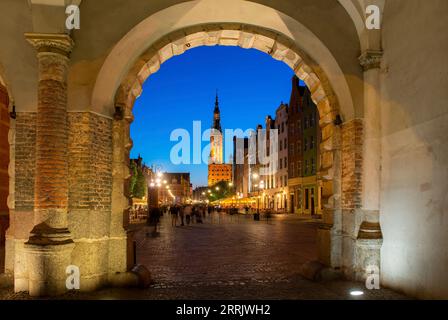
(155, 186)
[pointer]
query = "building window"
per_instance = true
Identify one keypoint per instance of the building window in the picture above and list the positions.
(306, 122)
(292, 169)
(305, 144)
(281, 145)
(313, 166)
(306, 166)
(291, 149)
(281, 164)
(286, 163)
(283, 127)
(311, 142)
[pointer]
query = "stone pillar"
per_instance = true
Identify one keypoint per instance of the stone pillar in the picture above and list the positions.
(50, 244)
(120, 202)
(369, 238)
(330, 230)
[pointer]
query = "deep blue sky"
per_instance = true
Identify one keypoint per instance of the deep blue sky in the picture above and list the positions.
(250, 83)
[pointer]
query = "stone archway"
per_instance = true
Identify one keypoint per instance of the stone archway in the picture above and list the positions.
(278, 47)
(94, 170)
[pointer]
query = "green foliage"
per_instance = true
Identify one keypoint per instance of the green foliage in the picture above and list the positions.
(224, 191)
(133, 179)
(137, 183)
(140, 185)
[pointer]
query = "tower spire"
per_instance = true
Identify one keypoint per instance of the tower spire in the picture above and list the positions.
(217, 114)
(217, 101)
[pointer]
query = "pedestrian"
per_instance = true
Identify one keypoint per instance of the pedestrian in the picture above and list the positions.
(209, 209)
(268, 215)
(180, 209)
(154, 218)
(187, 212)
(174, 215)
(193, 214)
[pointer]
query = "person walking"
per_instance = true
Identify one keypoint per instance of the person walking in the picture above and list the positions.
(174, 215)
(154, 218)
(180, 209)
(187, 212)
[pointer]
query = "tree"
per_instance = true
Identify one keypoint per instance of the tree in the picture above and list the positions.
(221, 190)
(140, 185)
(133, 179)
(137, 182)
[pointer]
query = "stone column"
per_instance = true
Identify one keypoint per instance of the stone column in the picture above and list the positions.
(330, 230)
(50, 244)
(369, 239)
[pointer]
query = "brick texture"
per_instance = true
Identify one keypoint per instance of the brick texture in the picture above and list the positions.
(352, 139)
(51, 141)
(25, 160)
(90, 161)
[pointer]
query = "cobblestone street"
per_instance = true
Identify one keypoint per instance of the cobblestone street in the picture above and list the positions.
(229, 257)
(228, 249)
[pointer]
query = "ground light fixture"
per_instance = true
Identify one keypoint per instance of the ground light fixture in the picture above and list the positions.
(356, 293)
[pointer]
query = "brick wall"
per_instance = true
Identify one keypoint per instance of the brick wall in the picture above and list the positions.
(25, 161)
(90, 161)
(352, 138)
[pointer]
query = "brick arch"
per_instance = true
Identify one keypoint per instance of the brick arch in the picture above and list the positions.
(278, 47)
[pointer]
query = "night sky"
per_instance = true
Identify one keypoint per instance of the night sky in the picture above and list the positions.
(250, 84)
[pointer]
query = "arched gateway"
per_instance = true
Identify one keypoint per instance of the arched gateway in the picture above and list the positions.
(71, 206)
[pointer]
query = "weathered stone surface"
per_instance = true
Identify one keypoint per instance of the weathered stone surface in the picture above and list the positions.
(25, 161)
(352, 139)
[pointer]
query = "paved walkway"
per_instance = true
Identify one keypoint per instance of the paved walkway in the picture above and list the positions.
(228, 248)
(230, 257)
